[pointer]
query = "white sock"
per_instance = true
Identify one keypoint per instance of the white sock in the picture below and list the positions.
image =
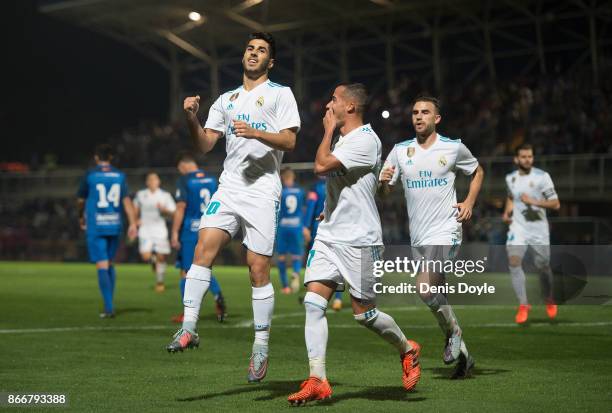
(160, 271)
(315, 332)
(385, 326)
(441, 309)
(518, 283)
(263, 307)
(198, 281)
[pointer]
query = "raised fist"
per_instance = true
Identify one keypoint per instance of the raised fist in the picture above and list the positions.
(191, 105)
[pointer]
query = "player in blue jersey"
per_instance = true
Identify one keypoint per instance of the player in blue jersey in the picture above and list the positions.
(314, 208)
(102, 196)
(193, 193)
(291, 231)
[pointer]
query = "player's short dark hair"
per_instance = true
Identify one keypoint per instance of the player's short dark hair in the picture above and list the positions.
(266, 37)
(104, 152)
(286, 170)
(523, 147)
(427, 98)
(186, 157)
(359, 92)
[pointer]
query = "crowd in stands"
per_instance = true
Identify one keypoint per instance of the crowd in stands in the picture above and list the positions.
(557, 114)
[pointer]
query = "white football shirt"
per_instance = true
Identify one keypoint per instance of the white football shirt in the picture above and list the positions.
(351, 217)
(152, 223)
(428, 179)
(529, 224)
(252, 167)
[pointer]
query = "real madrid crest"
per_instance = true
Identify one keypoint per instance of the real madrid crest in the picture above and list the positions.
(442, 161)
(530, 184)
(410, 151)
(513, 179)
(234, 96)
(260, 101)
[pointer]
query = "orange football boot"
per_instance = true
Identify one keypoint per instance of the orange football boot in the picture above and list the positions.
(551, 310)
(522, 314)
(311, 389)
(411, 366)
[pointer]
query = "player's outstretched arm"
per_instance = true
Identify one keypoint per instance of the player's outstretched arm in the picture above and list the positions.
(325, 162)
(130, 211)
(177, 221)
(465, 207)
(282, 141)
(205, 138)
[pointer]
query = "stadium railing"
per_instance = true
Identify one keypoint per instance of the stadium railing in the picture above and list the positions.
(580, 176)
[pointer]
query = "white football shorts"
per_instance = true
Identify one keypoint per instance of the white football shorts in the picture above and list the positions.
(344, 264)
(257, 217)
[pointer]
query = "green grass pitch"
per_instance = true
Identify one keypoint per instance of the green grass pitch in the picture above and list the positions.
(51, 340)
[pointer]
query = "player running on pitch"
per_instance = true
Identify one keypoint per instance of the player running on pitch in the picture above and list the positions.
(151, 205)
(348, 241)
(427, 167)
(530, 193)
(102, 196)
(193, 193)
(291, 229)
(259, 120)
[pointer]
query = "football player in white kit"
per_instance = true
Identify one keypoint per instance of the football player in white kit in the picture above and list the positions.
(427, 166)
(151, 204)
(348, 241)
(260, 121)
(530, 193)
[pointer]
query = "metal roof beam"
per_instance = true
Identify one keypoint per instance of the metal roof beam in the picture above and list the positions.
(186, 46)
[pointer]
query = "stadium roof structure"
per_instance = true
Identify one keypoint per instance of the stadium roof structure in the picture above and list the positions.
(320, 42)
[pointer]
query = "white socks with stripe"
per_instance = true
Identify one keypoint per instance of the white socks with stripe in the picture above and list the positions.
(316, 333)
(196, 286)
(263, 307)
(385, 326)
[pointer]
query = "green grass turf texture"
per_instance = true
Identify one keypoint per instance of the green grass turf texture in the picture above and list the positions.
(543, 367)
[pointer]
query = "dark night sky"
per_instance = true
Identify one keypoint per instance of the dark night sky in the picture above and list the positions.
(67, 87)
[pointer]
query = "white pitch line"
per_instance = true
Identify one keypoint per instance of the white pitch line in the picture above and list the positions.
(287, 326)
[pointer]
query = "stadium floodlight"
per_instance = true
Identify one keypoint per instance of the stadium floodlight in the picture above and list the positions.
(385, 114)
(195, 16)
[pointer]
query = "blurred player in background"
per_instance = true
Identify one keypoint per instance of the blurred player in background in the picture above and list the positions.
(151, 205)
(193, 193)
(314, 208)
(259, 120)
(291, 231)
(530, 193)
(426, 166)
(102, 196)
(348, 241)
